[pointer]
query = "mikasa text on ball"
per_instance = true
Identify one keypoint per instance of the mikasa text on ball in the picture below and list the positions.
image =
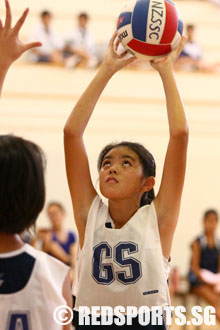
(150, 28)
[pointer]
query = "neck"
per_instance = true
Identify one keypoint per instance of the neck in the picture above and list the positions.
(122, 210)
(57, 230)
(210, 236)
(10, 242)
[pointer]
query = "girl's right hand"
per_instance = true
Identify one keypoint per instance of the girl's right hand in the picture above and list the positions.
(112, 61)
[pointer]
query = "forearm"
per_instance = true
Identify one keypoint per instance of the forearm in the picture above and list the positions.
(196, 271)
(175, 109)
(83, 110)
(54, 249)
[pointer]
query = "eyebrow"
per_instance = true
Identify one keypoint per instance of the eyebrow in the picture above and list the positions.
(124, 156)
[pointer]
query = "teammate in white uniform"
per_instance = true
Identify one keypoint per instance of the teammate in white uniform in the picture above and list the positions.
(124, 265)
(31, 288)
(32, 283)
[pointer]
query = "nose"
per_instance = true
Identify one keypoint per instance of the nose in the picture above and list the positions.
(113, 170)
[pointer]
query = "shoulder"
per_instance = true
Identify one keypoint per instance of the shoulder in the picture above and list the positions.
(39, 28)
(147, 216)
(148, 210)
(97, 212)
(217, 243)
(48, 263)
(200, 242)
(97, 209)
(96, 205)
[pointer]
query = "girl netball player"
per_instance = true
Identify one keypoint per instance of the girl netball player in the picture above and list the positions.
(32, 284)
(125, 246)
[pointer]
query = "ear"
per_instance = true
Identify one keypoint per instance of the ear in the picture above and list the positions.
(148, 184)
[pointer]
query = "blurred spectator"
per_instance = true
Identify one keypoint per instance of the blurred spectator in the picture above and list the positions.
(57, 241)
(52, 48)
(80, 45)
(204, 274)
(65, 239)
(191, 58)
(192, 48)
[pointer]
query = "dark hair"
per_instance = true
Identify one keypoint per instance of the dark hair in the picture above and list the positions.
(190, 27)
(146, 159)
(45, 13)
(208, 212)
(22, 187)
(83, 15)
(55, 203)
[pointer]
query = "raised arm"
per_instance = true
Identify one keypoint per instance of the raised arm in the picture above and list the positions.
(11, 48)
(167, 202)
(77, 166)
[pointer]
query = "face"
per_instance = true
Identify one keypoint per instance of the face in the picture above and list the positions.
(47, 20)
(56, 216)
(190, 32)
(210, 223)
(121, 175)
(83, 22)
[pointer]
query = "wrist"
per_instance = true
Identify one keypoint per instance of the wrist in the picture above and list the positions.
(4, 65)
(107, 70)
(166, 71)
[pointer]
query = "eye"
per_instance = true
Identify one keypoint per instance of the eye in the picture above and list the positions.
(126, 163)
(106, 163)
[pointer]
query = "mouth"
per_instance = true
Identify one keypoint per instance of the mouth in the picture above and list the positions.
(112, 179)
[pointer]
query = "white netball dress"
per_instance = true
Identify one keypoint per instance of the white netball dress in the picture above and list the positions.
(30, 289)
(121, 267)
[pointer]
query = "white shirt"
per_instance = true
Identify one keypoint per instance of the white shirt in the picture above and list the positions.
(50, 40)
(193, 50)
(82, 38)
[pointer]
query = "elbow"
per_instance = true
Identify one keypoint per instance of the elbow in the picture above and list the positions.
(67, 131)
(182, 134)
(70, 132)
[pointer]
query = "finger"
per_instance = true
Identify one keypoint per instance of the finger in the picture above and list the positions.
(159, 60)
(126, 52)
(117, 44)
(112, 40)
(32, 45)
(8, 17)
(129, 60)
(180, 46)
(21, 20)
(123, 54)
(1, 25)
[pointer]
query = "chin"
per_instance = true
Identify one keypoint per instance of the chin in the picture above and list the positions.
(110, 193)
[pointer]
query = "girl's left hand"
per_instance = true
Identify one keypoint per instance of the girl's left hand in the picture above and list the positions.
(11, 48)
(166, 62)
(112, 60)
